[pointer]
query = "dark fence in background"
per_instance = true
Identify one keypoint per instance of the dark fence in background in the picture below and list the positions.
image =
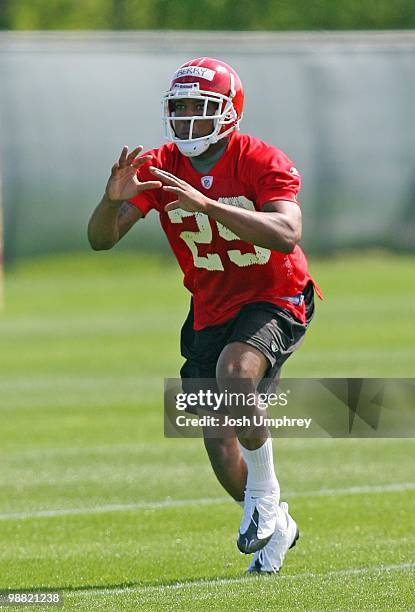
(341, 105)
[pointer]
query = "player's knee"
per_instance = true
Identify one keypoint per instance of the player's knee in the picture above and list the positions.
(240, 362)
(229, 370)
(234, 370)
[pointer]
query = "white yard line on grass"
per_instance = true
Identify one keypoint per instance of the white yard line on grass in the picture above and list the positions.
(206, 501)
(150, 505)
(243, 580)
(41, 452)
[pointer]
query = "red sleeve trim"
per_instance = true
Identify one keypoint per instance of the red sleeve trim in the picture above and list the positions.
(288, 197)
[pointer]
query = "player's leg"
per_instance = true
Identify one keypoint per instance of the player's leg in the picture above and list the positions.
(201, 351)
(227, 463)
(236, 362)
(270, 558)
(261, 328)
(239, 370)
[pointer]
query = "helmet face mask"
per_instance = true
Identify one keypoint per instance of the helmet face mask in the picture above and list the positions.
(212, 83)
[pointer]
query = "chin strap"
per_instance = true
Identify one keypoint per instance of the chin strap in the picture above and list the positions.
(193, 149)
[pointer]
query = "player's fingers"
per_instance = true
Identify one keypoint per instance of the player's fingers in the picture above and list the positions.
(139, 161)
(172, 206)
(166, 177)
(150, 185)
(114, 168)
(134, 153)
(123, 155)
(177, 190)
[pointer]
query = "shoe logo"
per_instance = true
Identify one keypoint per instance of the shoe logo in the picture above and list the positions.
(247, 542)
(207, 181)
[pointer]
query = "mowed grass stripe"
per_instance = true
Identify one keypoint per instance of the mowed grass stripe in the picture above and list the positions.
(176, 503)
(282, 445)
(353, 571)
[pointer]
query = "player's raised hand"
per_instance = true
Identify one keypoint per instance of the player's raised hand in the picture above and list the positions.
(123, 183)
(188, 198)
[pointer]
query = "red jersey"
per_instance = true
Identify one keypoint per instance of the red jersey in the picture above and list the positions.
(221, 271)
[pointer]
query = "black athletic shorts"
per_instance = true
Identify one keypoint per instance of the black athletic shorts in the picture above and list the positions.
(272, 330)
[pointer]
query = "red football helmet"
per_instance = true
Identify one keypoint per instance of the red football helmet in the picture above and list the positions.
(208, 80)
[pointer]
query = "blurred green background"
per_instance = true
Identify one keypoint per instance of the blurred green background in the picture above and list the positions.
(205, 14)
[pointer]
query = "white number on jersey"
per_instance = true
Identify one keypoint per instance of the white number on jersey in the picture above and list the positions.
(261, 255)
(204, 236)
(212, 261)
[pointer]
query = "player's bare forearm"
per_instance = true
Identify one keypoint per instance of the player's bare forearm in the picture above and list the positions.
(278, 231)
(109, 222)
(102, 226)
(277, 228)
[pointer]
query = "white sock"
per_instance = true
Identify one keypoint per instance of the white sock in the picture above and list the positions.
(261, 473)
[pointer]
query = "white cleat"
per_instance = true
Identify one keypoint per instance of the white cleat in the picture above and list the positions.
(270, 559)
(258, 522)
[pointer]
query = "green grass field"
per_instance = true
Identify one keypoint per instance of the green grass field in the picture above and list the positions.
(96, 502)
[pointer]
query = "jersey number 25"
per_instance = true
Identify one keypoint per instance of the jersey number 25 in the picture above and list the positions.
(213, 261)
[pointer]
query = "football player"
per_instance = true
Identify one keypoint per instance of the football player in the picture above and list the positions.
(228, 205)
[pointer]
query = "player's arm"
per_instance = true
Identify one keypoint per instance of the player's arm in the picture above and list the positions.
(276, 227)
(114, 216)
(110, 222)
